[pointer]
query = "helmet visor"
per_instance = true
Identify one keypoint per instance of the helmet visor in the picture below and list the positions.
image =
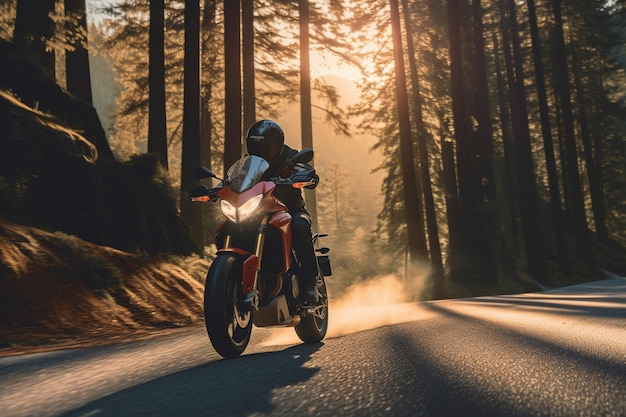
(267, 150)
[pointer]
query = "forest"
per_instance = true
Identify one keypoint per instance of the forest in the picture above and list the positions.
(497, 128)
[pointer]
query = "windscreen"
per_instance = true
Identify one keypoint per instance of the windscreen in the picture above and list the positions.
(246, 172)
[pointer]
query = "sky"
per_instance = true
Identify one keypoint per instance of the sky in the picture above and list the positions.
(94, 5)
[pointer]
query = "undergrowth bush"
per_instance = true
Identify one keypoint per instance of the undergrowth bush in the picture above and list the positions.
(81, 266)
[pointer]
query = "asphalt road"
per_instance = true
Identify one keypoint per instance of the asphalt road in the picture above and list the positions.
(557, 353)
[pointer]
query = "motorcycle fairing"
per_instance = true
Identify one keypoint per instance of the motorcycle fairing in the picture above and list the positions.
(281, 220)
(250, 265)
(237, 199)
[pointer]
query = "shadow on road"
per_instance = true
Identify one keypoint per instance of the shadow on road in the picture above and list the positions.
(479, 367)
(238, 387)
(597, 306)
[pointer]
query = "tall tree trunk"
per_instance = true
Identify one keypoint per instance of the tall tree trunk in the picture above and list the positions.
(305, 99)
(191, 213)
(208, 64)
(249, 100)
(157, 125)
(457, 235)
(232, 82)
(562, 83)
(412, 200)
(568, 219)
(422, 135)
(548, 145)
(77, 61)
(453, 214)
(510, 182)
(208, 68)
(483, 149)
(484, 228)
(33, 29)
(525, 167)
(593, 174)
(459, 107)
(476, 225)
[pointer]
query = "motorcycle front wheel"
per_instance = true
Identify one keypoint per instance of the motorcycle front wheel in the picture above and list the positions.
(228, 327)
(313, 326)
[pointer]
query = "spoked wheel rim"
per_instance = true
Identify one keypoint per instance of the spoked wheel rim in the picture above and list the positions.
(228, 326)
(314, 323)
(237, 328)
(320, 312)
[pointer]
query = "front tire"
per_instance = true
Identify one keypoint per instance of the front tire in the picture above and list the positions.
(313, 326)
(228, 327)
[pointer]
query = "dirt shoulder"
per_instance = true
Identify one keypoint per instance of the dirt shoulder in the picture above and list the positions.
(58, 292)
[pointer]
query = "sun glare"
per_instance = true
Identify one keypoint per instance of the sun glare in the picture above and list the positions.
(325, 64)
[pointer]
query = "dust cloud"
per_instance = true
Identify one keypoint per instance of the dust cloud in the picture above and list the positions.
(366, 305)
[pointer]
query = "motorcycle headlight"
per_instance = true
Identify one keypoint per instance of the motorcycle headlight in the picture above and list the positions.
(242, 213)
(228, 210)
(250, 206)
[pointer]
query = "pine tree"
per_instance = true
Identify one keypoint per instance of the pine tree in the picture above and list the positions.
(157, 120)
(191, 152)
(34, 32)
(77, 58)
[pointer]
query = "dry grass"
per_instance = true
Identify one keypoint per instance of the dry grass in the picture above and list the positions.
(59, 291)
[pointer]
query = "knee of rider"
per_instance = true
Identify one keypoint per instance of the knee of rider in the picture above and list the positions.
(300, 225)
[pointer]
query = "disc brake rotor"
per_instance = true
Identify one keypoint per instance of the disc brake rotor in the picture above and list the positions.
(240, 319)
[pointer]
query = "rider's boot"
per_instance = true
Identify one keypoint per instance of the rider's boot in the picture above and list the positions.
(308, 290)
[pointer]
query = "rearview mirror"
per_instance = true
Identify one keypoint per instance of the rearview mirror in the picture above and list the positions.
(201, 173)
(305, 155)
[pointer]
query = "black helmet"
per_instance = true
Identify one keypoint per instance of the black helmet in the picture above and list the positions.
(265, 138)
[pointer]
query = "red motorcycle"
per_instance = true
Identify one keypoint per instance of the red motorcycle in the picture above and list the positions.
(253, 279)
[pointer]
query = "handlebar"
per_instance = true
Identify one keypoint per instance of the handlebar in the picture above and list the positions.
(304, 178)
(204, 194)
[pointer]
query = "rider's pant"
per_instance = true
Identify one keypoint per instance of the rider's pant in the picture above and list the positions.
(303, 245)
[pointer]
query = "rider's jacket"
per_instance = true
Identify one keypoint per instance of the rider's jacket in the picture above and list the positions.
(291, 197)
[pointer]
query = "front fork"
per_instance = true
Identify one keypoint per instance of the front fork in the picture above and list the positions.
(251, 268)
(252, 264)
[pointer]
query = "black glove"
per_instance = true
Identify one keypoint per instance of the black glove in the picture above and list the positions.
(316, 180)
(200, 191)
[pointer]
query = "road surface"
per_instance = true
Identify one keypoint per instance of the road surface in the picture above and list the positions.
(557, 353)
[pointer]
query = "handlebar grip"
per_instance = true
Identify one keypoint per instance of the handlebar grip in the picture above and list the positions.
(199, 191)
(203, 194)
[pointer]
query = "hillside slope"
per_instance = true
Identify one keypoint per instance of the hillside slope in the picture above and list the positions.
(58, 291)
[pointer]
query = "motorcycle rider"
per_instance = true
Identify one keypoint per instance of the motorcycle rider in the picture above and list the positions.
(266, 139)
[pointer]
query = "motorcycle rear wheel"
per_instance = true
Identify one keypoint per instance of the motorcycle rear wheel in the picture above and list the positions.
(313, 326)
(229, 329)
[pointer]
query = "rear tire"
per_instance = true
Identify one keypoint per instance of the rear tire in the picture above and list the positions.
(313, 326)
(228, 328)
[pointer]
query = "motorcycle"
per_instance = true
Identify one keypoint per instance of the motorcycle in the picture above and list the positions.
(253, 278)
